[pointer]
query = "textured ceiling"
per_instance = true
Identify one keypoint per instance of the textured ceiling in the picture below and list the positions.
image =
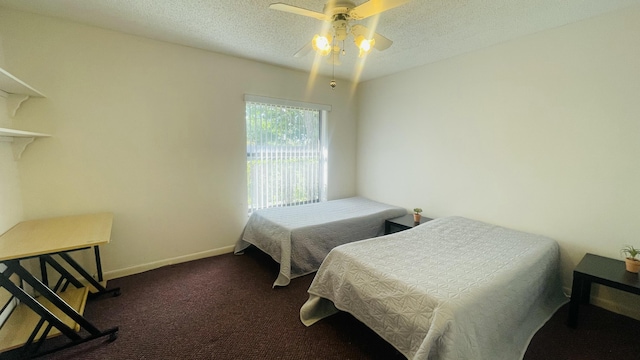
(423, 31)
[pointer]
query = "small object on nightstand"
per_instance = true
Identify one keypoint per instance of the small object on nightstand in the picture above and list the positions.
(416, 215)
(631, 260)
(402, 223)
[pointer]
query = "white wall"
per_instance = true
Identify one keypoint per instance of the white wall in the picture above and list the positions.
(541, 134)
(10, 199)
(151, 131)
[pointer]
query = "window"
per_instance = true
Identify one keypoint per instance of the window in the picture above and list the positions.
(286, 152)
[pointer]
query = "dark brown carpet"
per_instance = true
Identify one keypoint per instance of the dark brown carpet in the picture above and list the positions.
(224, 308)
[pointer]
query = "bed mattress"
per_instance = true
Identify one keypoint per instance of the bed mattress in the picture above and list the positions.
(453, 288)
(299, 237)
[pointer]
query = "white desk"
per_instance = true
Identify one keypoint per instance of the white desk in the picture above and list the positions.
(59, 308)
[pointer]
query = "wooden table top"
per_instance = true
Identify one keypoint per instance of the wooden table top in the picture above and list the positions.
(46, 236)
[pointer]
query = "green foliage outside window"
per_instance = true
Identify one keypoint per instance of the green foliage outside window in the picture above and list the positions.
(283, 155)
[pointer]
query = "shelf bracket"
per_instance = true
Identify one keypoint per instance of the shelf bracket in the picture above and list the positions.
(14, 101)
(19, 144)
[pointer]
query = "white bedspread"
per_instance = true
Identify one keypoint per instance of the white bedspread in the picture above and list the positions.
(452, 288)
(300, 237)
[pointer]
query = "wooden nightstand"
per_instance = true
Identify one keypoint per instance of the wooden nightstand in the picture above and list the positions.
(402, 223)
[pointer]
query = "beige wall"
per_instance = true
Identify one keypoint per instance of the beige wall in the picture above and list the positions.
(10, 199)
(153, 132)
(541, 134)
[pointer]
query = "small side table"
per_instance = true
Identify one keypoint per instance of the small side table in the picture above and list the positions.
(402, 223)
(601, 270)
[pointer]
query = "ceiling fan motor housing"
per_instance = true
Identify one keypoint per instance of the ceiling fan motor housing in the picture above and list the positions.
(340, 29)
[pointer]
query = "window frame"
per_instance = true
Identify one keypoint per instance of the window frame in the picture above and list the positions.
(323, 115)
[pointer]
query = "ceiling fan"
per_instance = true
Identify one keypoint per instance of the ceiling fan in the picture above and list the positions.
(341, 14)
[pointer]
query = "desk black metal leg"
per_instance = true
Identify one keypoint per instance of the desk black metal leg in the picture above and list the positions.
(101, 289)
(43, 271)
(37, 307)
(61, 270)
(96, 250)
(52, 297)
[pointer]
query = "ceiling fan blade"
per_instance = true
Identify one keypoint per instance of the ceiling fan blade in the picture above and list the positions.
(382, 43)
(373, 7)
(304, 50)
(298, 11)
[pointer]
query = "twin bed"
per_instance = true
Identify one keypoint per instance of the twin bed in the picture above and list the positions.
(300, 237)
(452, 288)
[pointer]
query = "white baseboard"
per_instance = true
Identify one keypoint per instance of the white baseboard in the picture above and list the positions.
(157, 264)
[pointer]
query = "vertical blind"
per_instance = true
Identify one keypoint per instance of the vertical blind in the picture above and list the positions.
(285, 157)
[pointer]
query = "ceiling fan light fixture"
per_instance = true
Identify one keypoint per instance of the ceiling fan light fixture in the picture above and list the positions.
(322, 44)
(365, 45)
(341, 14)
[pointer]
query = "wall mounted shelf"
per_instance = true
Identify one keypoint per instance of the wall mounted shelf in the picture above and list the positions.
(15, 91)
(19, 139)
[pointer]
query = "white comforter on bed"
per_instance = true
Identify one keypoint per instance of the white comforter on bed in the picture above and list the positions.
(452, 288)
(299, 237)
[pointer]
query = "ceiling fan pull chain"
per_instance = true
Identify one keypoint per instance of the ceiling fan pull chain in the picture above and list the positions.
(333, 83)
